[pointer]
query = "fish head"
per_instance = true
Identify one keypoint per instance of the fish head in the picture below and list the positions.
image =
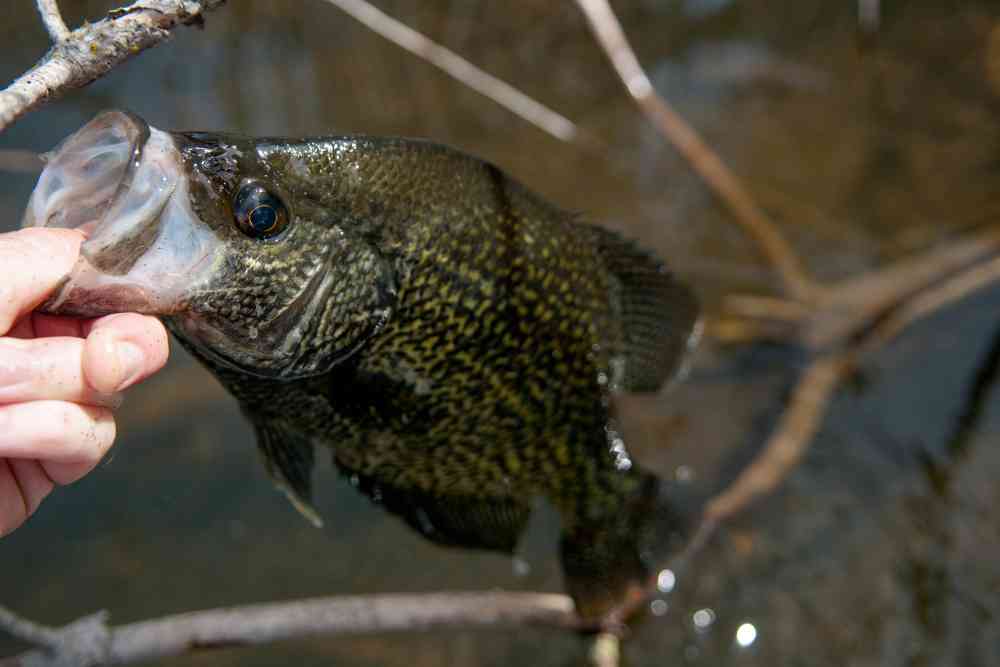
(205, 231)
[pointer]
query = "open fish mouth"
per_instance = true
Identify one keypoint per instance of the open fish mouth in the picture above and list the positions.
(122, 184)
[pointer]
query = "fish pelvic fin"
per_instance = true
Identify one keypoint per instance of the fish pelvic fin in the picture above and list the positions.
(493, 524)
(289, 459)
(658, 315)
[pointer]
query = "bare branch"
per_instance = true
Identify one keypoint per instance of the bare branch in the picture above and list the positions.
(702, 159)
(264, 623)
(459, 68)
(959, 287)
(53, 20)
(91, 51)
(855, 304)
(27, 631)
(21, 162)
(869, 15)
(605, 650)
(789, 442)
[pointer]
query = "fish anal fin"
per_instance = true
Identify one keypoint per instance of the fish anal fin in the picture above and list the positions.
(289, 459)
(493, 524)
(658, 315)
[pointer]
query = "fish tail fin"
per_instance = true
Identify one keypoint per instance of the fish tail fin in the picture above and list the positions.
(605, 560)
(658, 314)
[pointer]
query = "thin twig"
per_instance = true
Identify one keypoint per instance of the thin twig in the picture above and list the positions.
(53, 20)
(786, 446)
(959, 287)
(702, 159)
(890, 297)
(852, 306)
(265, 623)
(869, 15)
(459, 68)
(766, 308)
(615, 619)
(19, 161)
(27, 631)
(605, 650)
(93, 50)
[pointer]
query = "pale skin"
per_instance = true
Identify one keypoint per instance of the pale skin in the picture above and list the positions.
(60, 378)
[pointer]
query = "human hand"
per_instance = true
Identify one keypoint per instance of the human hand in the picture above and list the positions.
(60, 378)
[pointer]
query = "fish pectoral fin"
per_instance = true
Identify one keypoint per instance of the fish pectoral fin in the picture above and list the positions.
(658, 314)
(494, 524)
(289, 459)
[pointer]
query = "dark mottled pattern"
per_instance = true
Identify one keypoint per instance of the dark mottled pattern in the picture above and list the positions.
(484, 332)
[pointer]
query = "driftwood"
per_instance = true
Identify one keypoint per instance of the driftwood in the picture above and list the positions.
(840, 325)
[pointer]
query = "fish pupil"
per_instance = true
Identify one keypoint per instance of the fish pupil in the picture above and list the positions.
(259, 213)
(263, 218)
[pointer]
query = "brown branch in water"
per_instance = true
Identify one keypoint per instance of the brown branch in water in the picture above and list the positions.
(702, 159)
(931, 300)
(782, 452)
(892, 296)
(20, 161)
(855, 304)
(787, 445)
(460, 69)
(605, 650)
(53, 20)
(93, 50)
(264, 623)
(869, 15)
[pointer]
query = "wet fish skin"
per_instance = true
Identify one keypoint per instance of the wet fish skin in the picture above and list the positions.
(455, 340)
(489, 342)
(491, 307)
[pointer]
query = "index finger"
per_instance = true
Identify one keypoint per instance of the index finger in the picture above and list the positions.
(34, 261)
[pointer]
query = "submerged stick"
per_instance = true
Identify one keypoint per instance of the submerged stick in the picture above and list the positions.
(788, 444)
(708, 165)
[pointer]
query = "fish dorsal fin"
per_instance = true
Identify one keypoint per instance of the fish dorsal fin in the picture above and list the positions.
(495, 524)
(658, 314)
(289, 458)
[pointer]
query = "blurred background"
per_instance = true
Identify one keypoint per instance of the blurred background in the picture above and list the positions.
(883, 548)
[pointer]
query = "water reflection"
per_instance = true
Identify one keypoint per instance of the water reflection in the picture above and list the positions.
(666, 580)
(658, 607)
(703, 619)
(746, 635)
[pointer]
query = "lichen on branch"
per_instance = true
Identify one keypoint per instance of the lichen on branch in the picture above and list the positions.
(94, 49)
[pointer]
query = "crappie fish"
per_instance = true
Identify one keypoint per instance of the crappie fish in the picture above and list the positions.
(454, 340)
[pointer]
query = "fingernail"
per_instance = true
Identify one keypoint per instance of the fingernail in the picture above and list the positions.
(132, 361)
(104, 435)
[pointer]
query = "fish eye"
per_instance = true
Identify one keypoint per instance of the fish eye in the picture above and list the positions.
(259, 213)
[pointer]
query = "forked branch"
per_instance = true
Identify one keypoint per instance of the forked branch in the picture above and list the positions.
(89, 52)
(53, 20)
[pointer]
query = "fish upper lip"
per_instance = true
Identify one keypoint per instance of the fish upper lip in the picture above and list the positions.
(121, 184)
(138, 145)
(69, 192)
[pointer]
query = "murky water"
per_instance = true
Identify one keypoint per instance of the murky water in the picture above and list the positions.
(882, 549)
